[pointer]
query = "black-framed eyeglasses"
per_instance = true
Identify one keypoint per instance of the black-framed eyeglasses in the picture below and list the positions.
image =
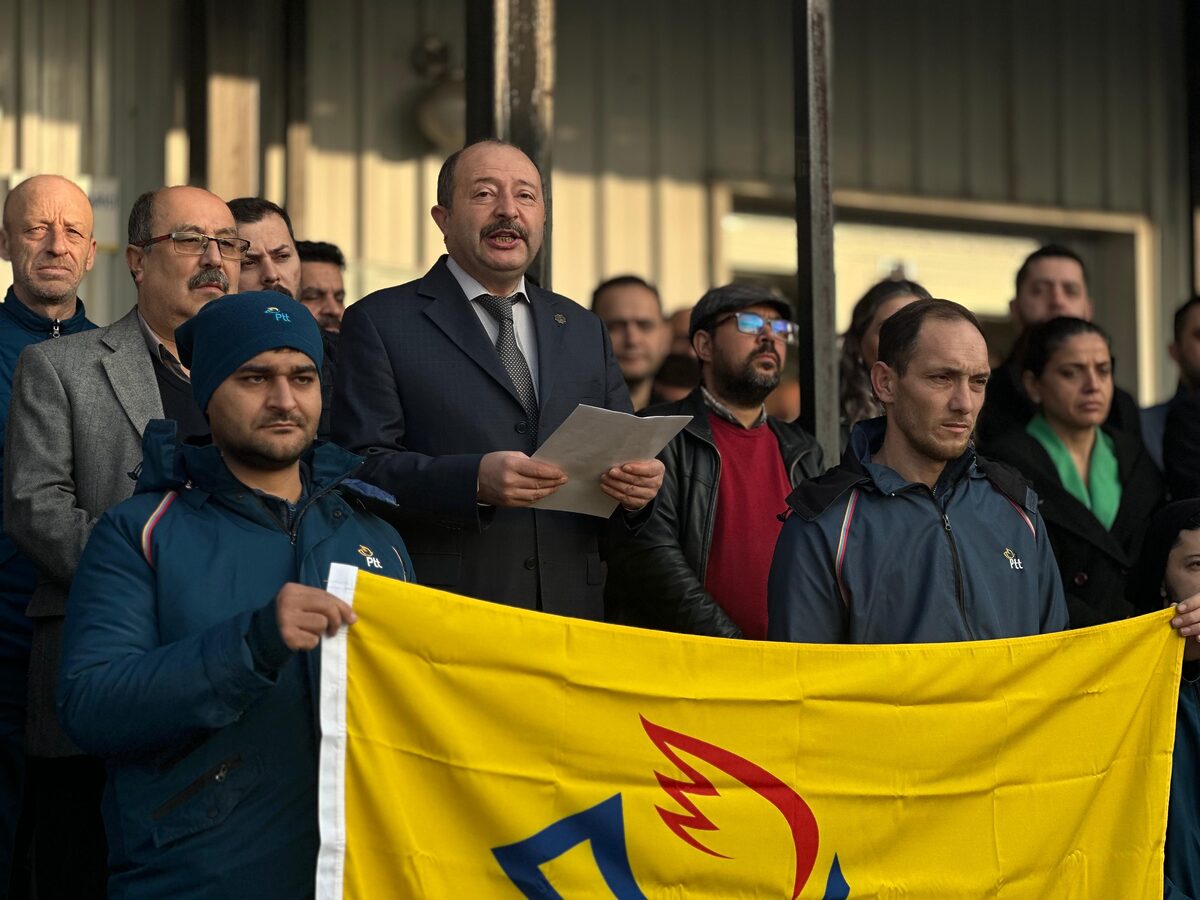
(192, 243)
(752, 323)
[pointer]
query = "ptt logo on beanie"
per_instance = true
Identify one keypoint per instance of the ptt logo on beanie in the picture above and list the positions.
(279, 316)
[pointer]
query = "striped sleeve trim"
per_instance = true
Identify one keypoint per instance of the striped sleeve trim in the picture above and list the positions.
(148, 528)
(843, 540)
(1024, 518)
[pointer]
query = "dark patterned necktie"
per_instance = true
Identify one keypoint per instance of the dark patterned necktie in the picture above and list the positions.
(501, 309)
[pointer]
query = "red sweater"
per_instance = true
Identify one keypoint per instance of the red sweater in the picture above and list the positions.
(752, 492)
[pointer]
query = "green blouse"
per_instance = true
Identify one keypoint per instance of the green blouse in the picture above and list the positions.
(1102, 493)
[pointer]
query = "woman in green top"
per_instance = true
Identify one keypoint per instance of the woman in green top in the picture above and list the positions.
(1098, 487)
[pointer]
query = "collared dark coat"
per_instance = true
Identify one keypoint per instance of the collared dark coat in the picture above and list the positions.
(656, 577)
(175, 673)
(423, 395)
(1181, 447)
(869, 558)
(1094, 562)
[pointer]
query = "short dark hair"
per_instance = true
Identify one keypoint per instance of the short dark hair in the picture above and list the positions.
(141, 218)
(247, 210)
(1043, 340)
(320, 252)
(1049, 251)
(625, 281)
(445, 180)
(1181, 315)
(899, 333)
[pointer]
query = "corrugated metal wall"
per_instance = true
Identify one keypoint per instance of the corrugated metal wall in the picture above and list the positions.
(1072, 103)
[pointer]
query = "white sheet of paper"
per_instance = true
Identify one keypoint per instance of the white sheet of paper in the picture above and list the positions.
(589, 443)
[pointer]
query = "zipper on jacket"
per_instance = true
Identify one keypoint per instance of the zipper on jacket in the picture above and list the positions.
(55, 329)
(216, 775)
(958, 579)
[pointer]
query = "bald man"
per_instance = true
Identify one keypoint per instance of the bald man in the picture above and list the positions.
(46, 234)
(79, 407)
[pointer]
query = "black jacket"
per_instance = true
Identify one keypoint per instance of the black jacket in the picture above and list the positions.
(1181, 447)
(656, 577)
(1094, 563)
(1007, 409)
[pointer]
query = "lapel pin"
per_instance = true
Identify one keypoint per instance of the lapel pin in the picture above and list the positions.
(560, 319)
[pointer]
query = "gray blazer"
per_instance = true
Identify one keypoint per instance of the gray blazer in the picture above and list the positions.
(79, 407)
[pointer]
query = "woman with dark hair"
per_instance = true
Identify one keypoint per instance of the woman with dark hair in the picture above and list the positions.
(1167, 574)
(860, 346)
(1098, 487)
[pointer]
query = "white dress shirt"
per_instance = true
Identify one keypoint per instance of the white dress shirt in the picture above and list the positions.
(522, 317)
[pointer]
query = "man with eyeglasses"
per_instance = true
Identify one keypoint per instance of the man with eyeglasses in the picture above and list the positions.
(79, 407)
(700, 564)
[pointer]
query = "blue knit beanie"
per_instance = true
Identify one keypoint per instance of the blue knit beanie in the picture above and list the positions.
(230, 330)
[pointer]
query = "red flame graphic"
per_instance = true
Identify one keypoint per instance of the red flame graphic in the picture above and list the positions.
(791, 805)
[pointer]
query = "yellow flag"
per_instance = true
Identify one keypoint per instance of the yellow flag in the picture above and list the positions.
(471, 750)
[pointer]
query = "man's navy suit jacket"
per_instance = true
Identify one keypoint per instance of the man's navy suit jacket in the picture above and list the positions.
(422, 394)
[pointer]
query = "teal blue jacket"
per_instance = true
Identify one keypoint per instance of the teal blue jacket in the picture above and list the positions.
(866, 557)
(175, 672)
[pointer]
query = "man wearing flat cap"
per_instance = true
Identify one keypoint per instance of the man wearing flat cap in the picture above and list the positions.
(187, 661)
(700, 564)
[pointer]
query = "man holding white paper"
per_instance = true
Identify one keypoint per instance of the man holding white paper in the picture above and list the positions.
(450, 383)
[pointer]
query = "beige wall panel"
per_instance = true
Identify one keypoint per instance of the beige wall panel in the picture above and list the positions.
(233, 135)
(627, 224)
(683, 242)
(9, 99)
(573, 260)
(333, 189)
(391, 145)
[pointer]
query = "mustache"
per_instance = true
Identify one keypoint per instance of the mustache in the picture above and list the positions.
(290, 419)
(506, 225)
(205, 277)
(280, 289)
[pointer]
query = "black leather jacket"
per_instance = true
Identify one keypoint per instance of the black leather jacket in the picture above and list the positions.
(656, 577)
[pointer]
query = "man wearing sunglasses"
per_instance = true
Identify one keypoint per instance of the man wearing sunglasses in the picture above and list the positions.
(700, 564)
(79, 407)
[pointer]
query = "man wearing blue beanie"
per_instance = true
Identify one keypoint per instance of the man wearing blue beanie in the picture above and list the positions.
(193, 626)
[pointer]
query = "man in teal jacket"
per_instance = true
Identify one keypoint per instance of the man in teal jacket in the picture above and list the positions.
(191, 622)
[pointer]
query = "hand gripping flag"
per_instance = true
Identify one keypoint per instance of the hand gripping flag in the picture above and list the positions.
(471, 750)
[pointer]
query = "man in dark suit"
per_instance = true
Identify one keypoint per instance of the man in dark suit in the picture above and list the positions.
(447, 384)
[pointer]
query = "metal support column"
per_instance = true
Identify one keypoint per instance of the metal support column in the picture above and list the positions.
(1191, 52)
(814, 224)
(510, 86)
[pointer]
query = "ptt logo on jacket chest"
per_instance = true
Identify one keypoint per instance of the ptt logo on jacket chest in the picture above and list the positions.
(1014, 561)
(368, 555)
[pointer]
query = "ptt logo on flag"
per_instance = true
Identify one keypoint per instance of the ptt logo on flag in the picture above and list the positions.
(603, 825)
(279, 316)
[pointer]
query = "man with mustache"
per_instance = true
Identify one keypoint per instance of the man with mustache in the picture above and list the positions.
(448, 384)
(913, 538)
(79, 407)
(700, 564)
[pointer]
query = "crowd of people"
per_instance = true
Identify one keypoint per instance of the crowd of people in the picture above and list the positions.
(177, 483)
